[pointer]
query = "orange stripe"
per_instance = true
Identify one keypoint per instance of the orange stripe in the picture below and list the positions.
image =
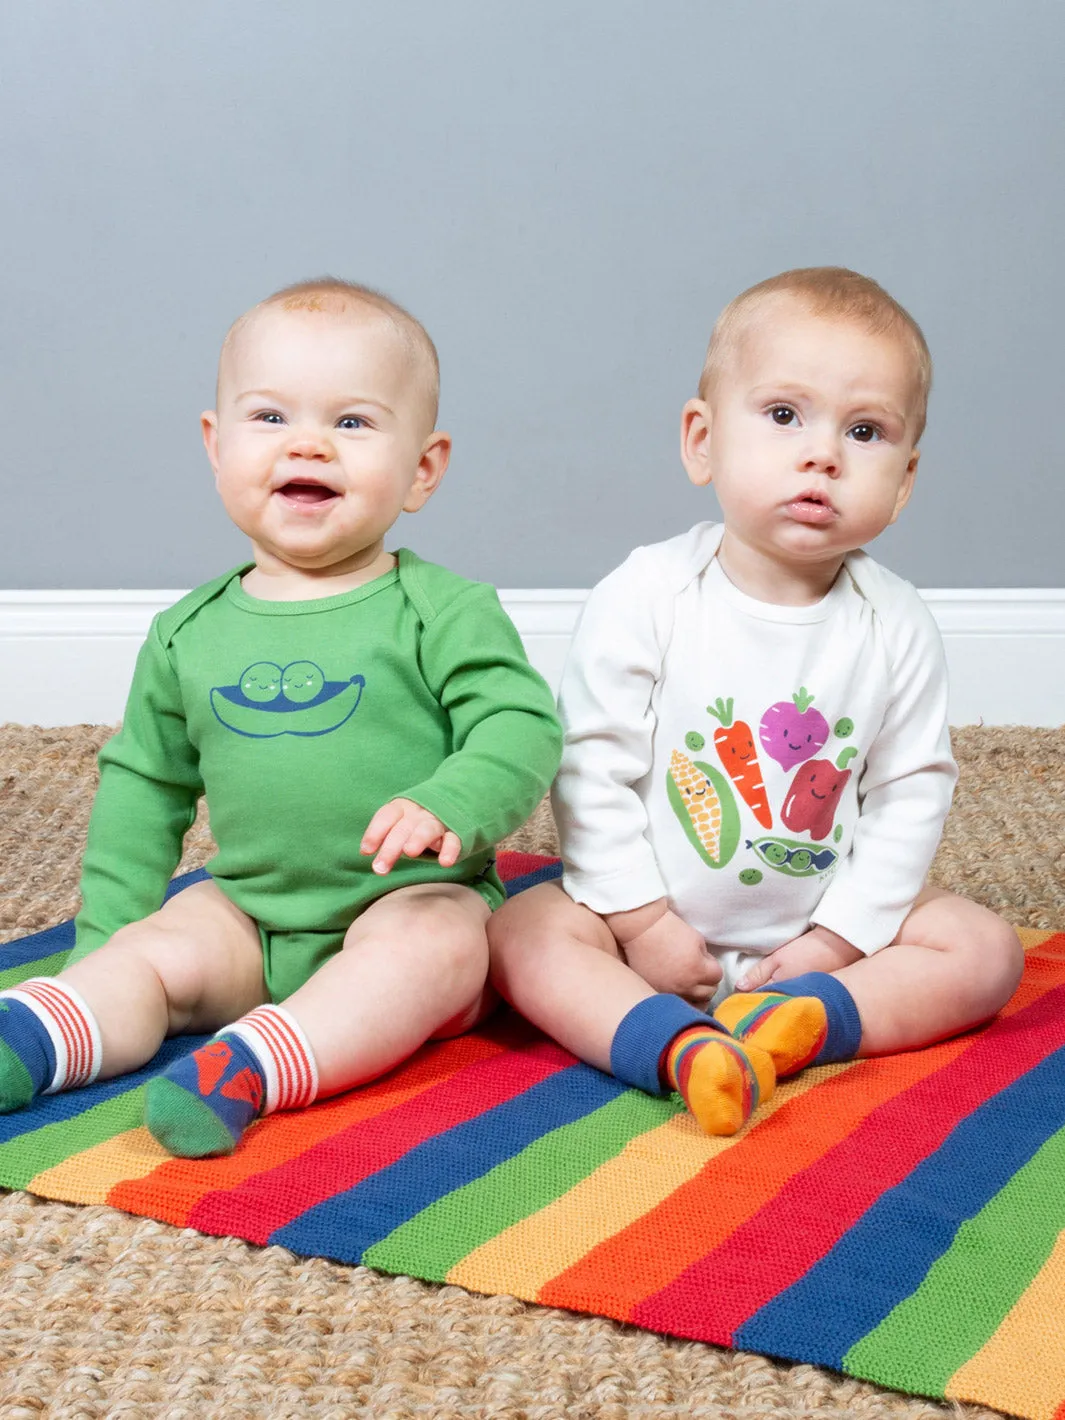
(621, 1272)
(173, 1190)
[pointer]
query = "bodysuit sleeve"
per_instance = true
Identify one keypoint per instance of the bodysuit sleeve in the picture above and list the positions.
(608, 716)
(506, 739)
(905, 790)
(149, 785)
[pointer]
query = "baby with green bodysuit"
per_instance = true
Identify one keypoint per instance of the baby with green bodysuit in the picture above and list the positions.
(365, 727)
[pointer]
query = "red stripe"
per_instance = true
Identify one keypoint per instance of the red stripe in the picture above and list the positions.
(72, 1027)
(805, 1220)
(301, 1076)
(294, 1078)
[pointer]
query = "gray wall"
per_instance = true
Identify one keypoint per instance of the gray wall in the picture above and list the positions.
(566, 194)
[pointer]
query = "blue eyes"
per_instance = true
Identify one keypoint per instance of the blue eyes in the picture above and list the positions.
(350, 422)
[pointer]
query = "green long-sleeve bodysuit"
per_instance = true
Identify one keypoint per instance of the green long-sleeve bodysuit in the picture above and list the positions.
(298, 720)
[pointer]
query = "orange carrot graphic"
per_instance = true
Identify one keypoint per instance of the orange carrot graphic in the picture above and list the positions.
(736, 751)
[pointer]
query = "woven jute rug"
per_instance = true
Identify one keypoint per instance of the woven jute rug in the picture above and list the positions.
(104, 1315)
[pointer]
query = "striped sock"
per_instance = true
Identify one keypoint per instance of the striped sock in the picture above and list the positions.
(49, 1041)
(792, 1029)
(720, 1080)
(844, 1034)
(204, 1102)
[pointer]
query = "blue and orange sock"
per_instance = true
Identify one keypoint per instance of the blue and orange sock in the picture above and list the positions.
(792, 1029)
(49, 1041)
(843, 1024)
(664, 1043)
(203, 1103)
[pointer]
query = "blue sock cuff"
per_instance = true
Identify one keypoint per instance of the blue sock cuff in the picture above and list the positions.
(844, 1023)
(645, 1032)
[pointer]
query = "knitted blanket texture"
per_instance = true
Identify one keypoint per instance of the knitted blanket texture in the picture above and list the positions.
(901, 1220)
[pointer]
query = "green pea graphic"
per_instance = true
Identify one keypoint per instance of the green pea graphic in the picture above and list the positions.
(837, 833)
(775, 853)
(750, 876)
(694, 740)
(303, 680)
(261, 682)
(845, 757)
(844, 728)
(801, 859)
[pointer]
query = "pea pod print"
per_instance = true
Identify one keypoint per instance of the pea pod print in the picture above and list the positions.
(792, 858)
(701, 798)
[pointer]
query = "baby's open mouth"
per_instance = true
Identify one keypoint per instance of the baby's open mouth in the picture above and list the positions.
(308, 493)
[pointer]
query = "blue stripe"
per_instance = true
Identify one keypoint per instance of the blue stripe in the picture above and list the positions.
(884, 1257)
(54, 1109)
(61, 937)
(546, 874)
(344, 1226)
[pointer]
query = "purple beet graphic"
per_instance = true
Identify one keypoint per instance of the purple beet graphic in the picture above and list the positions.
(792, 731)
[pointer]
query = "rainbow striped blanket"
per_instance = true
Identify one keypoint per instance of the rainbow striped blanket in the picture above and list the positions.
(900, 1220)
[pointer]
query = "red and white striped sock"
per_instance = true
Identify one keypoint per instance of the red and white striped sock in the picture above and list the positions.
(70, 1026)
(284, 1053)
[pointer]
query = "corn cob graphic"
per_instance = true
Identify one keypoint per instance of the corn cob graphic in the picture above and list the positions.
(702, 800)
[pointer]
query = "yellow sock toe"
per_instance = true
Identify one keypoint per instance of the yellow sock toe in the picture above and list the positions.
(721, 1081)
(791, 1029)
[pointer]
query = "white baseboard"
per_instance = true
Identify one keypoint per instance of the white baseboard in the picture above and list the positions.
(66, 657)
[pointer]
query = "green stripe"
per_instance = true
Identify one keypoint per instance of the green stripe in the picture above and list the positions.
(742, 1026)
(434, 1240)
(44, 966)
(27, 1155)
(993, 1258)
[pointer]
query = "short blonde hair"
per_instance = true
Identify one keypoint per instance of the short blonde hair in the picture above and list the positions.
(333, 295)
(824, 291)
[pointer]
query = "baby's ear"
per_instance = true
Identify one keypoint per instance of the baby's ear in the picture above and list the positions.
(906, 486)
(436, 451)
(209, 427)
(695, 422)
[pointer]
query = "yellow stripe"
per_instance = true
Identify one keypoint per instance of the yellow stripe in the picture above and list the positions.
(1032, 937)
(88, 1177)
(1022, 1367)
(527, 1255)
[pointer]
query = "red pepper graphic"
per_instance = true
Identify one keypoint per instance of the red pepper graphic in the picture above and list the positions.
(811, 803)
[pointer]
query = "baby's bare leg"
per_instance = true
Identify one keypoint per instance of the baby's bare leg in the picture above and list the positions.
(194, 965)
(414, 966)
(952, 966)
(557, 963)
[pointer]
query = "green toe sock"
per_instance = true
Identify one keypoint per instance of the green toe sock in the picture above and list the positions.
(182, 1122)
(16, 1086)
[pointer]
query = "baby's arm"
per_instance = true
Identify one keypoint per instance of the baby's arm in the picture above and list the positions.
(146, 801)
(506, 738)
(905, 790)
(607, 709)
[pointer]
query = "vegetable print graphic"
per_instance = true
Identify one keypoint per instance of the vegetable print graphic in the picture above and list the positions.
(735, 749)
(702, 800)
(792, 731)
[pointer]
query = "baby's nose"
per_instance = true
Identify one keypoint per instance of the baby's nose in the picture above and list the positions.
(307, 445)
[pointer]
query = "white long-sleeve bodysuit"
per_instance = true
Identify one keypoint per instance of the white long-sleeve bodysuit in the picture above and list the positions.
(816, 793)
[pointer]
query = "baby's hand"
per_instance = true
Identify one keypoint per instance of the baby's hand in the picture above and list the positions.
(671, 956)
(402, 827)
(816, 950)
